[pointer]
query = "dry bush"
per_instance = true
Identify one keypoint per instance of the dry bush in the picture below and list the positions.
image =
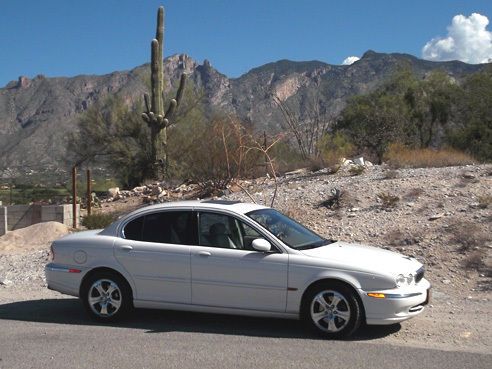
(294, 212)
(475, 261)
(396, 237)
(388, 200)
(334, 201)
(468, 235)
(390, 174)
(99, 220)
(219, 154)
(414, 193)
(484, 201)
(357, 170)
(400, 156)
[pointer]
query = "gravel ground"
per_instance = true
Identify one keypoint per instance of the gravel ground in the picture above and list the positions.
(442, 216)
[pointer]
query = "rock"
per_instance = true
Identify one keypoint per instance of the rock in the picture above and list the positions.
(446, 281)
(113, 192)
(156, 191)
(368, 164)
(139, 189)
(436, 216)
(162, 194)
(5, 282)
(469, 175)
(359, 161)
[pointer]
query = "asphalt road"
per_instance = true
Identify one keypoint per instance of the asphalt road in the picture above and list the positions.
(55, 333)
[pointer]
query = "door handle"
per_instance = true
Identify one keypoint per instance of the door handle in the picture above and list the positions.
(205, 253)
(126, 248)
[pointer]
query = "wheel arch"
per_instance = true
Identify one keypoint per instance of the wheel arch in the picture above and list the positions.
(103, 269)
(338, 280)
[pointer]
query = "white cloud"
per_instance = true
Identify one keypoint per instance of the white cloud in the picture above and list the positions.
(350, 60)
(468, 40)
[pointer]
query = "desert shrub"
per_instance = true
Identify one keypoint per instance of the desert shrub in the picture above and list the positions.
(401, 156)
(390, 174)
(98, 220)
(294, 212)
(335, 146)
(334, 201)
(484, 201)
(388, 200)
(474, 261)
(396, 237)
(414, 193)
(357, 170)
(468, 235)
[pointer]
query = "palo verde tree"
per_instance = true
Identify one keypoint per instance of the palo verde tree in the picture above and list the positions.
(156, 118)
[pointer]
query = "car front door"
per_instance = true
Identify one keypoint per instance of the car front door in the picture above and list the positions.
(228, 272)
(155, 251)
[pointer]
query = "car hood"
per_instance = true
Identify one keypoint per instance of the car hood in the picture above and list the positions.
(365, 258)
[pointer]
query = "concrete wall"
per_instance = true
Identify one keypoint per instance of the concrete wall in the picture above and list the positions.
(21, 216)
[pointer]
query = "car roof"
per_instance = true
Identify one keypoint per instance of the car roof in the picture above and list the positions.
(234, 206)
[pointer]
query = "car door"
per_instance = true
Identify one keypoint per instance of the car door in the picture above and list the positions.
(228, 272)
(155, 251)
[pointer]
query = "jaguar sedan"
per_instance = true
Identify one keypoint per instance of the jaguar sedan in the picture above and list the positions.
(235, 258)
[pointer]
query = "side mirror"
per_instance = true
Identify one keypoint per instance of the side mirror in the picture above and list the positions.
(260, 244)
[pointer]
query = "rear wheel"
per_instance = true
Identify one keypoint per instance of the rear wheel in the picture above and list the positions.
(332, 310)
(106, 296)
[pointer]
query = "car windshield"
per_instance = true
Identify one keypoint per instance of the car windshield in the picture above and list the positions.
(288, 230)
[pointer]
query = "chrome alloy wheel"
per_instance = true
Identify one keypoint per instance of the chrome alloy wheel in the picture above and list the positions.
(104, 298)
(330, 311)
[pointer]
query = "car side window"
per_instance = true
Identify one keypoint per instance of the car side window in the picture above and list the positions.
(133, 229)
(175, 227)
(219, 230)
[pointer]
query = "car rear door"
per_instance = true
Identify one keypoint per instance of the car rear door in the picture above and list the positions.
(228, 272)
(155, 251)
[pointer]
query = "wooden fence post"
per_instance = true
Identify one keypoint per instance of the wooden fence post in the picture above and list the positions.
(89, 193)
(74, 196)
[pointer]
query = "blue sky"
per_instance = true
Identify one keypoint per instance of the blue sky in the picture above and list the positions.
(66, 38)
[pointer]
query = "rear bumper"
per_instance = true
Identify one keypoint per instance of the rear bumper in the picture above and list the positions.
(63, 279)
(397, 305)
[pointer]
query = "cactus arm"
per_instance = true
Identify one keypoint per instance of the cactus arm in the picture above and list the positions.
(179, 94)
(147, 103)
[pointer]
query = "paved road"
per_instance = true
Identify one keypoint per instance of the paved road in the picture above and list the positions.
(55, 333)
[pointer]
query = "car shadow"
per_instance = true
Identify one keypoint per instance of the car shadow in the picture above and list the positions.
(70, 312)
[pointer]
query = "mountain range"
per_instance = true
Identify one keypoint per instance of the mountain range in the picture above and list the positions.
(36, 115)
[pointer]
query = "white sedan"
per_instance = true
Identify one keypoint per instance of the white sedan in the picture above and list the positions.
(235, 258)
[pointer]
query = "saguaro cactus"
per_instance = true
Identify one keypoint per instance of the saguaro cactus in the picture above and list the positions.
(156, 118)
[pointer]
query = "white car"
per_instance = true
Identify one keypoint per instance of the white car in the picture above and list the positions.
(235, 258)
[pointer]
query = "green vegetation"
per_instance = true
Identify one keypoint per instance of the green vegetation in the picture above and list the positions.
(98, 220)
(423, 114)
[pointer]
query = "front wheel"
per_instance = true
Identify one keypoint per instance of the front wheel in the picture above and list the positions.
(106, 297)
(332, 310)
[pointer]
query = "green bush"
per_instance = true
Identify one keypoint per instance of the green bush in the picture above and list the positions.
(98, 220)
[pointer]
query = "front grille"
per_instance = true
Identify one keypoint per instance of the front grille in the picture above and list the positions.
(419, 275)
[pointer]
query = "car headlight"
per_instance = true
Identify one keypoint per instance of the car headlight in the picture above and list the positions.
(402, 280)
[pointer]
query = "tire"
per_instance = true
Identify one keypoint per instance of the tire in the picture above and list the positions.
(332, 310)
(106, 296)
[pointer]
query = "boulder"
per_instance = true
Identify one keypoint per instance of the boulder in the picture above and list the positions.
(113, 192)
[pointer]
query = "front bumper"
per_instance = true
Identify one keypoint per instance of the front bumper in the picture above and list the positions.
(397, 305)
